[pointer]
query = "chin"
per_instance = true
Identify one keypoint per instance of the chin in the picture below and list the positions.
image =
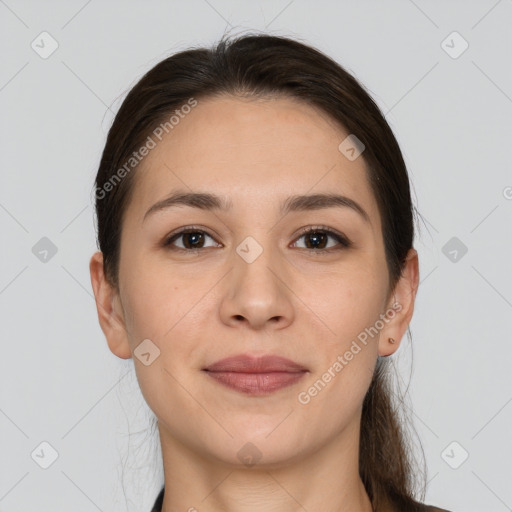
(259, 451)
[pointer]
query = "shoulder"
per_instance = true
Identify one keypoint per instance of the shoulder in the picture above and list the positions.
(412, 506)
(157, 507)
(430, 508)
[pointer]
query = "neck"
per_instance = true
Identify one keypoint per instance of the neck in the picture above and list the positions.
(327, 479)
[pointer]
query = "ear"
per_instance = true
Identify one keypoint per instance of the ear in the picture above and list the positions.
(402, 303)
(110, 311)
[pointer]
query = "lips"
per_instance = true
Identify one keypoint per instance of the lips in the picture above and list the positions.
(256, 375)
(244, 363)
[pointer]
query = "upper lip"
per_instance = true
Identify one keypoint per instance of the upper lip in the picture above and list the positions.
(245, 363)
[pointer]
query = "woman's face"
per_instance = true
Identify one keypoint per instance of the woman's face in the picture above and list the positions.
(249, 282)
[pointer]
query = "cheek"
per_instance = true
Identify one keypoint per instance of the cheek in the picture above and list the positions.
(153, 301)
(346, 302)
(158, 309)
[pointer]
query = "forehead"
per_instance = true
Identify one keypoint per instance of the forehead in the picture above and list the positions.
(254, 151)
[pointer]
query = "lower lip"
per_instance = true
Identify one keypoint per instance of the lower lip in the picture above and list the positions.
(256, 383)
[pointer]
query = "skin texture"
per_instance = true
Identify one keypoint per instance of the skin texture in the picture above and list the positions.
(200, 306)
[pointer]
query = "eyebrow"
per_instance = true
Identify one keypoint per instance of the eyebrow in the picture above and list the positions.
(297, 203)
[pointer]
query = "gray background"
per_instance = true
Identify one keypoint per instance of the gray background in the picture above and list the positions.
(452, 116)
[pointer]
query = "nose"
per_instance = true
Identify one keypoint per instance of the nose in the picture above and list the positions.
(257, 293)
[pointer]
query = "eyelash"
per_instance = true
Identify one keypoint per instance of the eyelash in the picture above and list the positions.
(344, 242)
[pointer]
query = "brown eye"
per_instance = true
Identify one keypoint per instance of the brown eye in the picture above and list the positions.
(318, 239)
(190, 239)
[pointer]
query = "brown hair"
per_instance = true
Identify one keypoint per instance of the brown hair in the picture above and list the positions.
(260, 65)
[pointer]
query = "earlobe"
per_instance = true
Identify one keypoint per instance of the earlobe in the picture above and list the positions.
(110, 314)
(402, 304)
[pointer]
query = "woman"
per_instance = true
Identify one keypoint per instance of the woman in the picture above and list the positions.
(256, 228)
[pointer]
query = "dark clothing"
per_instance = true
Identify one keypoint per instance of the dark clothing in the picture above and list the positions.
(157, 507)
